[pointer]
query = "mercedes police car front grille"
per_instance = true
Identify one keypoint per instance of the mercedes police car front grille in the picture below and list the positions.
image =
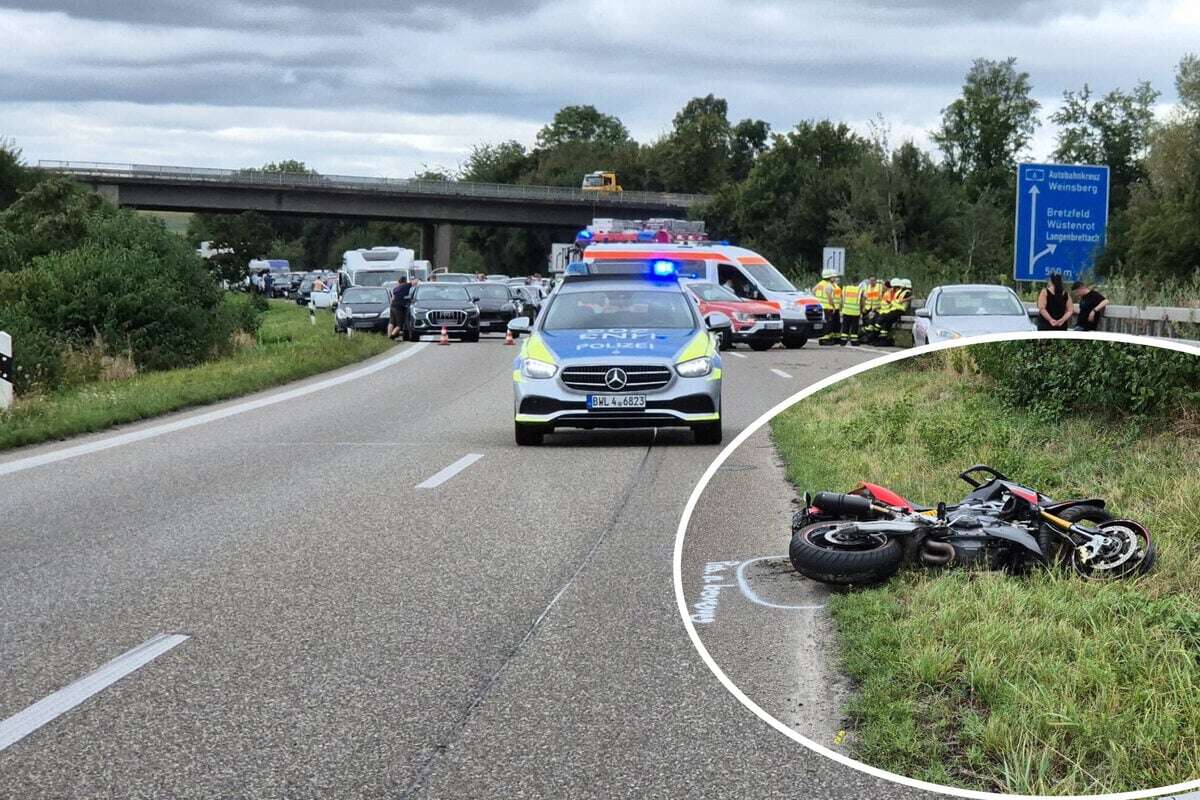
(814, 313)
(597, 379)
(447, 317)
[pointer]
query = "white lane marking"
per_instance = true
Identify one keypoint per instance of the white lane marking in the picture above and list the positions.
(23, 723)
(753, 597)
(873, 350)
(450, 471)
(735, 355)
(781, 373)
(21, 464)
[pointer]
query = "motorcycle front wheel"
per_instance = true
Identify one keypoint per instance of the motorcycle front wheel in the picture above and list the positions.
(835, 552)
(1129, 553)
(1054, 546)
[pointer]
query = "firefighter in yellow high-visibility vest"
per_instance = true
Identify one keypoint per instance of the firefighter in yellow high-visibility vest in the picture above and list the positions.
(829, 292)
(851, 312)
(871, 294)
(896, 307)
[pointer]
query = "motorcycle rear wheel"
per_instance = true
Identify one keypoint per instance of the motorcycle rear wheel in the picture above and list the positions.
(817, 552)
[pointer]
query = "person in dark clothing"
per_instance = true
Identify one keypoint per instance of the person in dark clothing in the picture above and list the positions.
(268, 285)
(1054, 306)
(1091, 306)
(398, 310)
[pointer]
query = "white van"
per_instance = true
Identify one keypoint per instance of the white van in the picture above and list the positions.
(376, 266)
(742, 271)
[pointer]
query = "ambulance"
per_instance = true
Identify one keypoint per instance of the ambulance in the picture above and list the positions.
(684, 242)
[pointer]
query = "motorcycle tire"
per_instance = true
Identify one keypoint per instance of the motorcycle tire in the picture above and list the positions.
(873, 560)
(1057, 552)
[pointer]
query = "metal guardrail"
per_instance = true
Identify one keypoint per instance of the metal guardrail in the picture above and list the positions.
(1159, 321)
(255, 177)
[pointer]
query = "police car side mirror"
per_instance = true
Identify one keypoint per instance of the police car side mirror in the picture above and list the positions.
(924, 312)
(716, 321)
(520, 325)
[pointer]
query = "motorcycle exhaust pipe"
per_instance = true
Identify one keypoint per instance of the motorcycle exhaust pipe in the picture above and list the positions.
(843, 505)
(937, 554)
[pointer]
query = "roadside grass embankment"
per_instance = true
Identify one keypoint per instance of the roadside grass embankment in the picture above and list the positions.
(287, 348)
(1042, 684)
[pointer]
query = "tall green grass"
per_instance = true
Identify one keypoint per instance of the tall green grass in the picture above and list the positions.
(1041, 684)
(287, 348)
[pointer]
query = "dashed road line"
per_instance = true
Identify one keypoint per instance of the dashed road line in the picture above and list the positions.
(781, 373)
(735, 355)
(450, 471)
(23, 723)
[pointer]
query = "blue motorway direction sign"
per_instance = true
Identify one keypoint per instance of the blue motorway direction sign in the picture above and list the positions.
(1062, 220)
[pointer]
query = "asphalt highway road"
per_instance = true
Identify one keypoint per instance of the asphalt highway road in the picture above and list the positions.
(508, 630)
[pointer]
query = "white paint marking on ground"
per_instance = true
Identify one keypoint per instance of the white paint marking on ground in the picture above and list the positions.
(873, 350)
(21, 464)
(735, 355)
(450, 471)
(710, 592)
(753, 597)
(781, 373)
(23, 723)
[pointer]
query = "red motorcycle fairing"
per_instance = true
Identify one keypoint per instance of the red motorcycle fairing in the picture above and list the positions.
(883, 495)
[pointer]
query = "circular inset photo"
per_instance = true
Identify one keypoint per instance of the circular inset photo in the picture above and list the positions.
(974, 569)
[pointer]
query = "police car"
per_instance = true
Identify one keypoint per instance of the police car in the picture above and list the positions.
(619, 344)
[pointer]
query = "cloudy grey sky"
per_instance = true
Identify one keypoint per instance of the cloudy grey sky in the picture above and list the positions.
(376, 87)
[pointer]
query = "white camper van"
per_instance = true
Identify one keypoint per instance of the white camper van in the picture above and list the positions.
(376, 266)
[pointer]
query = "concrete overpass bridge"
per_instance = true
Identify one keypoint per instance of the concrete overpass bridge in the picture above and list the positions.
(437, 204)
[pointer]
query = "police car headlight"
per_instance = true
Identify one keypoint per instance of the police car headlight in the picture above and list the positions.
(532, 368)
(946, 333)
(696, 368)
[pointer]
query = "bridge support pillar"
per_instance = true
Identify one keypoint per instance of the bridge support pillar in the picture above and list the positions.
(110, 192)
(443, 244)
(428, 240)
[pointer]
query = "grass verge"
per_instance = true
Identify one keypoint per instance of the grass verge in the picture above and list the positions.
(1033, 685)
(288, 348)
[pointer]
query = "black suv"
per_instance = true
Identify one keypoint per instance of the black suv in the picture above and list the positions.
(496, 305)
(433, 306)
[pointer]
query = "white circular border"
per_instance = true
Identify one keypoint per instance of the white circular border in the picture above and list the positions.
(758, 423)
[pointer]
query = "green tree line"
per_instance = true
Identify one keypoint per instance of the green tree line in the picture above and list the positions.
(932, 215)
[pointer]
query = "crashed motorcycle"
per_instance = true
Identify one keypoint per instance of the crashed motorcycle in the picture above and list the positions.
(864, 537)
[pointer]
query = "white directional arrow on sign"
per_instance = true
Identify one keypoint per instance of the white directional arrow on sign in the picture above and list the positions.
(1050, 248)
(1033, 196)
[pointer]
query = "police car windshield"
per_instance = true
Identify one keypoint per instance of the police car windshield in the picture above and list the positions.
(979, 303)
(619, 309)
(769, 278)
(444, 292)
(712, 293)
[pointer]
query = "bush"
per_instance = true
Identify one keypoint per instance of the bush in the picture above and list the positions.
(109, 279)
(1060, 376)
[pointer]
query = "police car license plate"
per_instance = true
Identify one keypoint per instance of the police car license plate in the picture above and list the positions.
(615, 402)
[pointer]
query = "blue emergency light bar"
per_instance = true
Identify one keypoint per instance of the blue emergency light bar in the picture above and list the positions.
(660, 269)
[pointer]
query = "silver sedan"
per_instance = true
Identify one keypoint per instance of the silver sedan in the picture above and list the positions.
(953, 312)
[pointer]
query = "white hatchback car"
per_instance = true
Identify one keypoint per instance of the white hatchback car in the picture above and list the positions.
(953, 312)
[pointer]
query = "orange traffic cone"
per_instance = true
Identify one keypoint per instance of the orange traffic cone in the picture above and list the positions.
(508, 339)
(445, 336)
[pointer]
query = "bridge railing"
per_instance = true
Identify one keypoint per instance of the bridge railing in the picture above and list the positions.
(254, 177)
